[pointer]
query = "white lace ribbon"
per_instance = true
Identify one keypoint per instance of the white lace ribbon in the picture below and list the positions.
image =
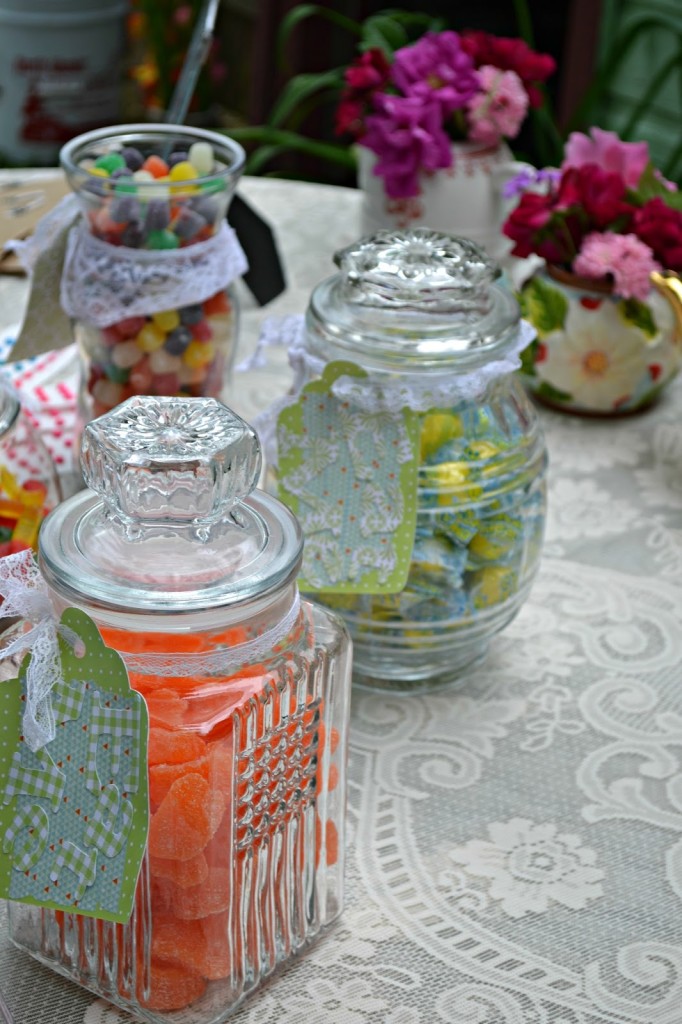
(102, 284)
(222, 662)
(417, 391)
(25, 596)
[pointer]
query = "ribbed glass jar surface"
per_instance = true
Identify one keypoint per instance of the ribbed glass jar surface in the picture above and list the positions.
(422, 314)
(247, 690)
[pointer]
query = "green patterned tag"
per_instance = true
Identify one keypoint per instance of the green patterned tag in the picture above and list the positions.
(74, 816)
(351, 478)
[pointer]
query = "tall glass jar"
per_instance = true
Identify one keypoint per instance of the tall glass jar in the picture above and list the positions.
(423, 315)
(149, 269)
(190, 575)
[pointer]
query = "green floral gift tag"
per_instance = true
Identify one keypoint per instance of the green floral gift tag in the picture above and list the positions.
(351, 478)
(74, 815)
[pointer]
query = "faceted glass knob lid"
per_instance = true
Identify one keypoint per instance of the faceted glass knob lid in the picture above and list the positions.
(420, 268)
(171, 460)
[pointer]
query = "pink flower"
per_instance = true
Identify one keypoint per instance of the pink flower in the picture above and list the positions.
(627, 159)
(407, 135)
(436, 67)
(623, 258)
(500, 108)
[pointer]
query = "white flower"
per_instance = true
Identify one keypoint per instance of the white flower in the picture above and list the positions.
(597, 358)
(531, 866)
(578, 508)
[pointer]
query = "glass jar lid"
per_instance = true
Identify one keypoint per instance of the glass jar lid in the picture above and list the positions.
(174, 523)
(412, 300)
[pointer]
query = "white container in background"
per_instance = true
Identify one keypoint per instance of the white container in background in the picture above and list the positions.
(60, 73)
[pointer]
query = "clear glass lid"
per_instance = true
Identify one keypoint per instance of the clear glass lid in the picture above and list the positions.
(412, 300)
(171, 522)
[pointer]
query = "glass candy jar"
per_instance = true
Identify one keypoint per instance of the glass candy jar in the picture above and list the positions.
(422, 315)
(29, 488)
(149, 268)
(190, 575)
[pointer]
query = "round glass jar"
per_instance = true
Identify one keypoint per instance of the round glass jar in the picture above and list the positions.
(29, 487)
(190, 575)
(147, 233)
(422, 314)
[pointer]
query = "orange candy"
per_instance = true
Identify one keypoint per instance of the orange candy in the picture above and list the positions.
(200, 945)
(184, 873)
(162, 776)
(187, 818)
(174, 747)
(211, 897)
(157, 167)
(172, 987)
(218, 303)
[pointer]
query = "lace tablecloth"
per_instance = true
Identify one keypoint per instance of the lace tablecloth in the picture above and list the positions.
(514, 848)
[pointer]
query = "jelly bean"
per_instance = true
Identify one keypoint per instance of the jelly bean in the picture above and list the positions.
(177, 158)
(121, 172)
(188, 223)
(141, 377)
(99, 172)
(110, 335)
(162, 240)
(107, 393)
(189, 375)
(167, 319)
(150, 338)
(202, 331)
(218, 303)
(177, 341)
(124, 208)
(158, 215)
(132, 235)
(117, 374)
(207, 207)
(109, 162)
(157, 167)
(126, 355)
(198, 353)
(142, 176)
(183, 171)
(165, 384)
(133, 158)
(129, 327)
(163, 362)
(190, 315)
(95, 187)
(201, 157)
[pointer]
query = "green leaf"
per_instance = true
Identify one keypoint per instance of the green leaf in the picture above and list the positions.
(550, 393)
(546, 307)
(300, 88)
(266, 135)
(384, 33)
(638, 314)
(528, 358)
(303, 11)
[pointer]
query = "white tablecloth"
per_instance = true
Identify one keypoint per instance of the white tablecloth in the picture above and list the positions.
(514, 848)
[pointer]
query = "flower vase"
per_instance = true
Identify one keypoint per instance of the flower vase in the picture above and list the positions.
(597, 353)
(464, 199)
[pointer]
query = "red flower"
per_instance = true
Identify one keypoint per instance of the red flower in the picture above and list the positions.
(599, 194)
(528, 225)
(660, 227)
(367, 75)
(510, 55)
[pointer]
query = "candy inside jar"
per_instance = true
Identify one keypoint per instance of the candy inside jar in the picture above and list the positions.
(148, 278)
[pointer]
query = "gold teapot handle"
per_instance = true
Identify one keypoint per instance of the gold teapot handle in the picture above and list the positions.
(669, 285)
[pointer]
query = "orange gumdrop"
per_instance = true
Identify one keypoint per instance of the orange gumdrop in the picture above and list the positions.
(200, 945)
(331, 842)
(186, 819)
(211, 897)
(184, 873)
(157, 167)
(166, 708)
(172, 746)
(172, 987)
(162, 776)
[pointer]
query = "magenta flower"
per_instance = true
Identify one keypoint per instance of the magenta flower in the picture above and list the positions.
(436, 67)
(606, 150)
(406, 133)
(623, 258)
(499, 109)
